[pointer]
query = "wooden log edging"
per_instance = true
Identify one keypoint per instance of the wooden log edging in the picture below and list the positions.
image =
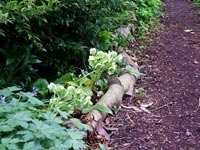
(118, 86)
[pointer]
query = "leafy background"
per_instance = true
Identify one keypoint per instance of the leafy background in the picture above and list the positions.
(47, 38)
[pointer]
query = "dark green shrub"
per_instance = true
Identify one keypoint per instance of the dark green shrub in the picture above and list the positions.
(56, 33)
(52, 35)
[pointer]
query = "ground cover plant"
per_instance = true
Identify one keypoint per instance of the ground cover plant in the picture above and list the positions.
(26, 124)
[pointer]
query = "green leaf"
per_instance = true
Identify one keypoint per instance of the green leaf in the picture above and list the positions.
(5, 128)
(41, 86)
(65, 78)
(14, 88)
(87, 91)
(33, 100)
(97, 107)
(78, 124)
(74, 134)
(2, 147)
(10, 140)
(132, 71)
(26, 135)
(75, 144)
(51, 118)
(28, 146)
(9, 90)
(2, 33)
(62, 113)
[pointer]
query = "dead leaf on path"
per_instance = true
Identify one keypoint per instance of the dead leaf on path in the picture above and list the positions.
(188, 30)
(101, 131)
(134, 58)
(196, 62)
(145, 106)
(188, 133)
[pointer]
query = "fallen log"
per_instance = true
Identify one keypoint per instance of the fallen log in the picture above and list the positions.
(118, 86)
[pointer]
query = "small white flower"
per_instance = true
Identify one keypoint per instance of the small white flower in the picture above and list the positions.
(119, 58)
(93, 51)
(113, 54)
(98, 66)
(100, 53)
(51, 86)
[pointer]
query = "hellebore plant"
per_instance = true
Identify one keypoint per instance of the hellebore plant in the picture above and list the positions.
(76, 95)
(103, 62)
(68, 99)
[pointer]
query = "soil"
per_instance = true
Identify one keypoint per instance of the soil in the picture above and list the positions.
(172, 84)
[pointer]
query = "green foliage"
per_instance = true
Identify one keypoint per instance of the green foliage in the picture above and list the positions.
(57, 32)
(97, 107)
(103, 62)
(27, 125)
(40, 35)
(196, 3)
(129, 69)
(140, 92)
(41, 86)
(71, 93)
(68, 99)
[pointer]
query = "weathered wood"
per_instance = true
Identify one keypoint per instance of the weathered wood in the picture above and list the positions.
(124, 84)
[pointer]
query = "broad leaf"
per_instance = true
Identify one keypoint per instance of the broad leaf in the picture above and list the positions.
(41, 86)
(78, 124)
(97, 107)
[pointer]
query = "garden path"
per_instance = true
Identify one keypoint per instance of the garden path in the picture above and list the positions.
(172, 83)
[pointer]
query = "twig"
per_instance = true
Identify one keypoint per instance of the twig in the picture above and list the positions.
(165, 105)
(131, 107)
(198, 105)
(129, 118)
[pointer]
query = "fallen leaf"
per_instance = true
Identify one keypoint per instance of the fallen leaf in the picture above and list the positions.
(196, 62)
(144, 107)
(101, 131)
(188, 30)
(188, 133)
(134, 58)
(111, 128)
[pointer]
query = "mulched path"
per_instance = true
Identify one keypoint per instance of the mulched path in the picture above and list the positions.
(172, 83)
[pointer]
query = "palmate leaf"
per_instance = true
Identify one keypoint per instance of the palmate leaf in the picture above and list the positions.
(61, 113)
(29, 146)
(19, 119)
(5, 128)
(74, 134)
(40, 129)
(80, 125)
(8, 91)
(12, 147)
(10, 140)
(75, 144)
(33, 100)
(26, 135)
(51, 118)
(2, 147)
